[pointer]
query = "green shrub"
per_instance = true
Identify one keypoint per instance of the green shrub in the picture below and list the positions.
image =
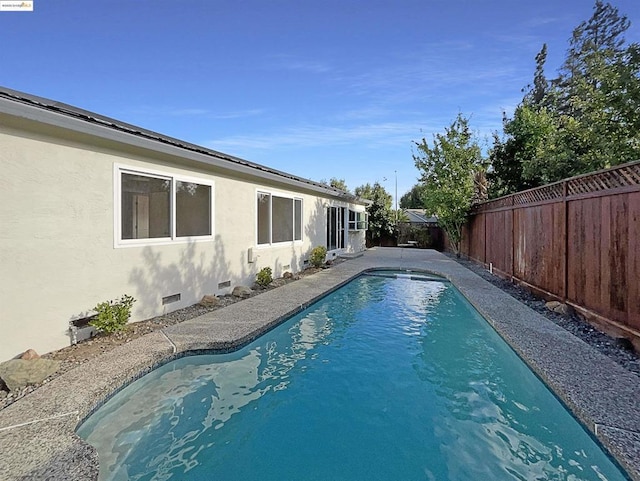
(422, 236)
(264, 277)
(318, 255)
(113, 315)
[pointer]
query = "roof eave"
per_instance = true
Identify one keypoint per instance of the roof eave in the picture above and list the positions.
(61, 115)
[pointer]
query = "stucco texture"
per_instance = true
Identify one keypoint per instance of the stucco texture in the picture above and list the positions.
(59, 250)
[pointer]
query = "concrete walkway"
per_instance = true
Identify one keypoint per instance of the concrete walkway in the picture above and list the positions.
(37, 439)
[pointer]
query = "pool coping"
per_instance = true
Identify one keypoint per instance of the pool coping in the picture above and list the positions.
(37, 433)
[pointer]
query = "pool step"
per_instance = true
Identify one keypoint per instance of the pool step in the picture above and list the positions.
(414, 276)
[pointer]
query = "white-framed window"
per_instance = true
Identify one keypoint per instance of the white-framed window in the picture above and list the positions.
(152, 207)
(279, 218)
(358, 220)
(336, 224)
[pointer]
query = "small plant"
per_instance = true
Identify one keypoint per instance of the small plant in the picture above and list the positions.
(113, 315)
(264, 277)
(318, 256)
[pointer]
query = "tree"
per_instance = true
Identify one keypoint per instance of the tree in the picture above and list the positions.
(528, 151)
(512, 154)
(447, 170)
(414, 199)
(336, 183)
(538, 93)
(505, 176)
(597, 102)
(381, 216)
(606, 113)
(586, 119)
(602, 36)
(400, 216)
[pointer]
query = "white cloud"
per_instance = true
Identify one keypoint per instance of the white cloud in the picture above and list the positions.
(194, 112)
(385, 133)
(291, 62)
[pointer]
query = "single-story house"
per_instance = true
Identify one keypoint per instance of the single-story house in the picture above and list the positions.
(419, 217)
(418, 229)
(93, 208)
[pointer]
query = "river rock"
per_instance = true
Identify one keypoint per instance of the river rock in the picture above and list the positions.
(18, 373)
(242, 291)
(208, 301)
(29, 355)
(559, 307)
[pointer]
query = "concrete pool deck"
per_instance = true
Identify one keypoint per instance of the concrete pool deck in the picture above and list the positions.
(37, 439)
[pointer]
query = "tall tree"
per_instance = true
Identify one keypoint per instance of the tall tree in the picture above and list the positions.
(536, 95)
(523, 136)
(599, 37)
(448, 168)
(381, 215)
(586, 119)
(414, 199)
(596, 95)
(513, 154)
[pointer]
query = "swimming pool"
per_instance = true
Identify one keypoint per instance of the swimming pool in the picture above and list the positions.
(386, 378)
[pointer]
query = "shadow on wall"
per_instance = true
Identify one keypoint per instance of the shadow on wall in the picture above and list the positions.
(316, 229)
(246, 276)
(191, 277)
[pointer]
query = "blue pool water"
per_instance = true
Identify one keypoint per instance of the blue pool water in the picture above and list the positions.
(385, 379)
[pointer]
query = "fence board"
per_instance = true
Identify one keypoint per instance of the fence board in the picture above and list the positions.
(471, 234)
(539, 246)
(617, 258)
(584, 262)
(499, 233)
(633, 276)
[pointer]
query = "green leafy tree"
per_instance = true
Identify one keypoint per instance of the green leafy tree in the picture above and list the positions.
(505, 176)
(513, 153)
(365, 191)
(586, 119)
(538, 94)
(597, 102)
(381, 214)
(414, 199)
(448, 168)
(336, 183)
(596, 40)
(401, 216)
(526, 158)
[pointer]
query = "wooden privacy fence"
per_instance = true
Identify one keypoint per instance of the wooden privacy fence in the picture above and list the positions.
(576, 241)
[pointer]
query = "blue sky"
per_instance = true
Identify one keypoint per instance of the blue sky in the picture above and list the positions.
(318, 88)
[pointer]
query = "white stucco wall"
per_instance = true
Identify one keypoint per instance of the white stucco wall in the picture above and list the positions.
(57, 252)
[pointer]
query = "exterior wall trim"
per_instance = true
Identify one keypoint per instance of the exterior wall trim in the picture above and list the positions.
(118, 242)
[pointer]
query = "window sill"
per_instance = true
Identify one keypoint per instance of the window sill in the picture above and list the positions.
(279, 244)
(164, 241)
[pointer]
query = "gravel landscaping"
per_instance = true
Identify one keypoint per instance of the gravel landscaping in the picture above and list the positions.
(619, 351)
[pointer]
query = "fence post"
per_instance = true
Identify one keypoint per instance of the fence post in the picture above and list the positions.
(565, 210)
(484, 255)
(513, 238)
